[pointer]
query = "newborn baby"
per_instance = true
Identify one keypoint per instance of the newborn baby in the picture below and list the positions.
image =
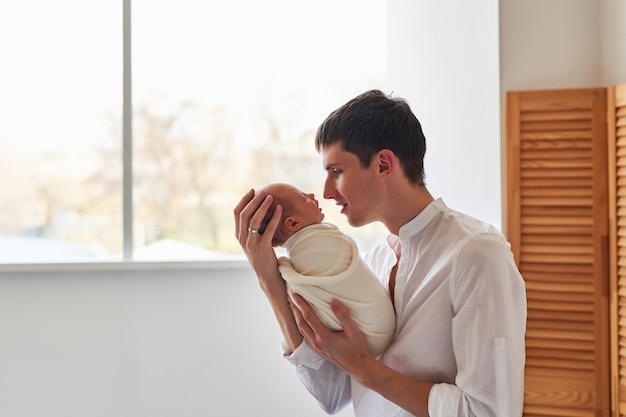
(324, 264)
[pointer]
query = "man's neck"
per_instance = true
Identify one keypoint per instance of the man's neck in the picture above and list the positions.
(405, 206)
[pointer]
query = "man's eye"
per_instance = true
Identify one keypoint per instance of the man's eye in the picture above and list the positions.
(336, 172)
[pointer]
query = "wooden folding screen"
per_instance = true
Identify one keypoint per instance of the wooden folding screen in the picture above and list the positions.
(617, 210)
(557, 222)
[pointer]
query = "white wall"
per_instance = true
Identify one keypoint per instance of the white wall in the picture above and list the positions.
(613, 49)
(132, 342)
(443, 58)
(550, 44)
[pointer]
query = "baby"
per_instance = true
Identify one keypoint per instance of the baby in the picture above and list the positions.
(324, 264)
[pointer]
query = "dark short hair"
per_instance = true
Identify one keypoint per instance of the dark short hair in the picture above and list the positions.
(374, 121)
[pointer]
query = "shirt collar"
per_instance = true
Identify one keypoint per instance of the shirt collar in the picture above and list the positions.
(419, 222)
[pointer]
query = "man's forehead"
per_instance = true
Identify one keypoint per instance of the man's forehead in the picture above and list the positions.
(334, 154)
(332, 151)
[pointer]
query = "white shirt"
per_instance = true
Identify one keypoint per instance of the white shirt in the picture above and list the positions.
(461, 320)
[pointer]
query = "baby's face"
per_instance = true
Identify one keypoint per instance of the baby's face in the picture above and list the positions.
(301, 205)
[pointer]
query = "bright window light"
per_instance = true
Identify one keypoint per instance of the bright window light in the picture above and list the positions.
(226, 96)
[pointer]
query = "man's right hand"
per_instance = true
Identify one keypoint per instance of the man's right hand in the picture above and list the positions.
(249, 214)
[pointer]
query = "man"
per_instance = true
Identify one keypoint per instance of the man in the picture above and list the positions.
(459, 299)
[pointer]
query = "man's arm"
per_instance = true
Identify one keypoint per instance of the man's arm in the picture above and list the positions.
(348, 350)
(249, 213)
(327, 383)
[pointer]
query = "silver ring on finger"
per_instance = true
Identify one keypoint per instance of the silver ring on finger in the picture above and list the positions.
(252, 230)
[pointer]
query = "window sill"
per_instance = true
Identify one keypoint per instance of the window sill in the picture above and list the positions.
(236, 263)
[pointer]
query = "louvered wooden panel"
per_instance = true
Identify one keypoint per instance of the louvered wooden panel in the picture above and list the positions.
(617, 205)
(558, 227)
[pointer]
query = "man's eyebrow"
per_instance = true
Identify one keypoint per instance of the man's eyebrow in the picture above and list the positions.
(330, 165)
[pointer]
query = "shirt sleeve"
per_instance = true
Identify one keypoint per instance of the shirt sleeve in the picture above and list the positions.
(329, 384)
(489, 301)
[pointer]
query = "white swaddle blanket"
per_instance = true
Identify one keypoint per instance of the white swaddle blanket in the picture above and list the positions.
(325, 264)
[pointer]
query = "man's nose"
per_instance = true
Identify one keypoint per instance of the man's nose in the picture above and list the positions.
(329, 189)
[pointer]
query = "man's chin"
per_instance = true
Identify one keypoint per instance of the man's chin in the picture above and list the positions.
(355, 222)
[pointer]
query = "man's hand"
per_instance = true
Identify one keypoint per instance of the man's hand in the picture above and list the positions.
(249, 214)
(347, 348)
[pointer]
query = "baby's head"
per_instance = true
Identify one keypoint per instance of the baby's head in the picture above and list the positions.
(299, 210)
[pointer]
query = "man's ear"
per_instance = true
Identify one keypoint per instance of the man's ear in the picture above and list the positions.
(386, 161)
(292, 223)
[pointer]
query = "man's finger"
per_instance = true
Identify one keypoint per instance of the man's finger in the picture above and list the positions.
(301, 322)
(251, 209)
(309, 316)
(256, 222)
(247, 197)
(345, 318)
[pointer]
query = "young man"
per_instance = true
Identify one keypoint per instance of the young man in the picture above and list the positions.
(459, 298)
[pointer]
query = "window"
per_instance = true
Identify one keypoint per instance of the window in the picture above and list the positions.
(60, 136)
(226, 96)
